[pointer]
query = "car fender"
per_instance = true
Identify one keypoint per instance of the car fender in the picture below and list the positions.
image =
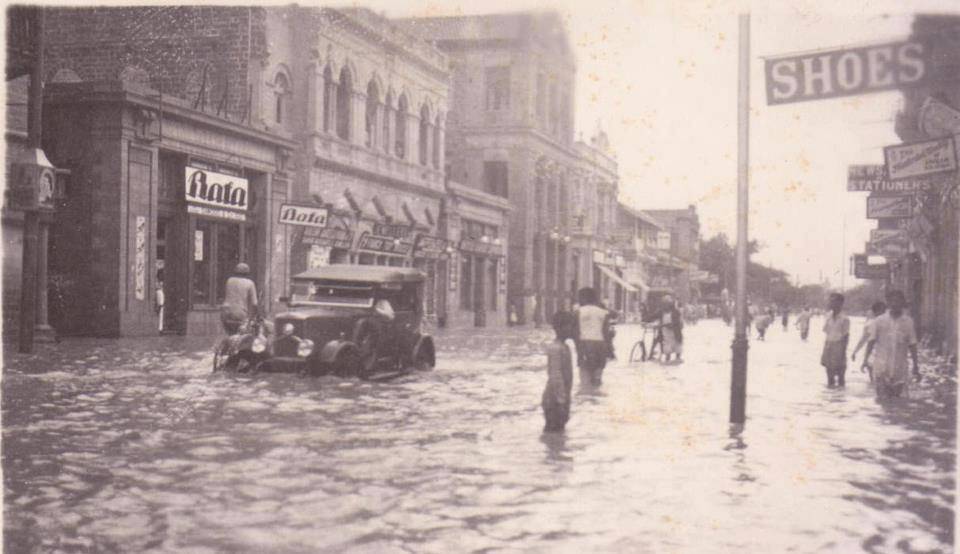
(332, 349)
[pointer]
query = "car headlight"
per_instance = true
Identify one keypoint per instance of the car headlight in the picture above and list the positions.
(305, 348)
(259, 345)
(288, 329)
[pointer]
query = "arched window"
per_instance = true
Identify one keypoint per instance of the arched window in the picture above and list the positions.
(373, 100)
(437, 143)
(281, 90)
(387, 107)
(327, 97)
(424, 133)
(400, 128)
(344, 95)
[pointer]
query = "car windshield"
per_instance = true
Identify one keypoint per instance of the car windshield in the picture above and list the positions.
(332, 294)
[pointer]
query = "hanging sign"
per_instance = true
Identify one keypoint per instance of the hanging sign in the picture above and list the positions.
(429, 247)
(881, 234)
(864, 270)
(882, 207)
(478, 246)
(920, 158)
(391, 230)
(216, 194)
(873, 178)
(386, 245)
(307, 216)
(332, 237)
(845, 72)
(886, 249)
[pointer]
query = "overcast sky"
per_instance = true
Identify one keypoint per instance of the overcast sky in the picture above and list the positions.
(661, 77)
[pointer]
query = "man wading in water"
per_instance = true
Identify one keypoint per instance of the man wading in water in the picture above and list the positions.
(593, 337)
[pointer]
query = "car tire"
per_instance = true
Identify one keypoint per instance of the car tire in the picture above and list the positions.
(365, 336)
(424, 356)
(349, 364)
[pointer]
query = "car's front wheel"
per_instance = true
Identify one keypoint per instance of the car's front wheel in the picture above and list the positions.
(365, 336)
(348, 363)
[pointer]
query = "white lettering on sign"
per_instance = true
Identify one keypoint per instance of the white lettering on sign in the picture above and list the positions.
(921, 158)
(845, 72)
(879, 207)
(216, 189)
(308, 216)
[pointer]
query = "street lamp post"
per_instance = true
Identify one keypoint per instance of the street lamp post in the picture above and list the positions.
(738, 377)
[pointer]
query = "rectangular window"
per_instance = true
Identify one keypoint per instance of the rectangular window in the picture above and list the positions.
(497, 80)
(496, 178)
(466, 282)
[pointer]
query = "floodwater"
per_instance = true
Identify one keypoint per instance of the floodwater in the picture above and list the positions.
(131, 446)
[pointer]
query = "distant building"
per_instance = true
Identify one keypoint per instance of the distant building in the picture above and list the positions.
(510, 134)
(682, 258)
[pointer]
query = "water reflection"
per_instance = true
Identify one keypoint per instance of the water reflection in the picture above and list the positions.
(124, 446)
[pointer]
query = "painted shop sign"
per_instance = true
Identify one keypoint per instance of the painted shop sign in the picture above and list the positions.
(215, 212)
(392, 230)
(886, 249)
(430, 247)
(479, 247)
(386, 245)
(882, 207)
(332, 237)
(845, 71)
(882, 234)
(873, 178)
(307, 216)
(920, 158)
(863, 270)
(217, 190)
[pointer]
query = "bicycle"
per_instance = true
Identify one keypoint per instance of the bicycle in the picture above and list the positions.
(641, 345)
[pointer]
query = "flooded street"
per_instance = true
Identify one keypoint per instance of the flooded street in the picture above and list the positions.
(131, 446)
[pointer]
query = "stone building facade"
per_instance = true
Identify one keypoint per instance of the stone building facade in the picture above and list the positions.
(681, 261)
(309, 107)
(510, 134)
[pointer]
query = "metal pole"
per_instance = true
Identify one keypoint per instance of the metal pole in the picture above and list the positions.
(31, 223)
(738, 377)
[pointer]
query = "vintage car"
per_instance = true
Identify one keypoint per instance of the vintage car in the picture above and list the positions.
(353, 320)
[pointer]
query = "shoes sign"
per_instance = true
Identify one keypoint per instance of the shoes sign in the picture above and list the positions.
(306, 216)
(905, 161)
(845, 71)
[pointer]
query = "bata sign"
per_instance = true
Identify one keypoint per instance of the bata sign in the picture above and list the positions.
(216, 190)
(308, 216)
(845, 72)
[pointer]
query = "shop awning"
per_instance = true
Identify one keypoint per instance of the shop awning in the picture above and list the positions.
(616, 278)
(636, 280)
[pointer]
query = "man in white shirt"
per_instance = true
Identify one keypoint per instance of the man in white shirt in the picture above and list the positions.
(593, 333)
(893, 336)
(837, 331)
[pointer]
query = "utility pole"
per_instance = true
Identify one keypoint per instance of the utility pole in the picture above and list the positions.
(738, 377)
(31, 217)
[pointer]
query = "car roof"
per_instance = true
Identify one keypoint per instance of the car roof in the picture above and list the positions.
(364, 273)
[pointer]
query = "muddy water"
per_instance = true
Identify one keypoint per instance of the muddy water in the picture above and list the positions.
(128, 446)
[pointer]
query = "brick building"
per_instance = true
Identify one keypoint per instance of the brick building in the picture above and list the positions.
(187, 128)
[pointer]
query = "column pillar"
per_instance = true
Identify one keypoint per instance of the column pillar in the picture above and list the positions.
(42, 330)
(358, 108)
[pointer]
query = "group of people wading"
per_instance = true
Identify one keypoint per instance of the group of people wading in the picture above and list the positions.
(590, 326)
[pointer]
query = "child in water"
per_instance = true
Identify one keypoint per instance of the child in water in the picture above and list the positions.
(556, 395)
